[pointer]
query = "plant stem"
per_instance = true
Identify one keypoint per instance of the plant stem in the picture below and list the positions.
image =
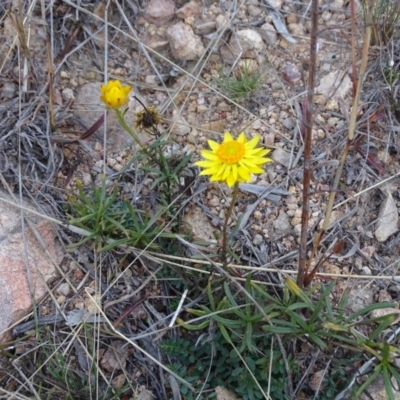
(307, 145)
(349, 142)
(225, 228)
(123, 123)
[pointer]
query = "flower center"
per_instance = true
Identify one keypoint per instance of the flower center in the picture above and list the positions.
(230, 152)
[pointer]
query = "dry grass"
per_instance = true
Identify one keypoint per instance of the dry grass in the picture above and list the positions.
(41, 154)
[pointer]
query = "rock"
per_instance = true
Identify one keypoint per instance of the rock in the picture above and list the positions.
(9, 90)
(247, 43)
(289, 123)
(381, 312)
(253, 10)
(296, 29)
(118, 381)
(200, 227)
(88, 109)
(225, 394)
(387, 220)
(184, 44)
(15, 293)
(269, 34)
(203, 28)
(68, 94)
(64, 289)
(258, 239)
(276, 3)
(336, 84)
(316, 380)
(377, 390)
(222, 22)
(291, 74)
(366, 271)
(332, 105)
(145, 395)
(160, 11)
(179, 126)
(114, 358)
(189, 10)
(282, 157)
(282, 224)
(156, 43)
(360, 297)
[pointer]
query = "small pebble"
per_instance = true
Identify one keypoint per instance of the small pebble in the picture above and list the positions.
(64, 289)
(258, 239)
(366, 271)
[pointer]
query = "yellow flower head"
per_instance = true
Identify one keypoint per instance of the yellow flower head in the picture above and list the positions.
(233, 160)
(114, 95)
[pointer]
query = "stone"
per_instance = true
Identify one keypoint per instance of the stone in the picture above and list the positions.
(377, 390)
(19, 251)
(160, 12)
(291, 74)
(336, 84)
(156, 43)
(184, 44)
(114, 358)
(203, 28)
(289, 123)
(316, 380)
(199, 225)
(9, 90)
(178, 125)
(387, 220)
(190, 9)
(225, 394)
(360, 297)
(253, 10)
(247, 43)
(64, 289)
(88, 109)
(276, 3)
(258, 239)
(268, 33)
(282, 157)
(282, 224)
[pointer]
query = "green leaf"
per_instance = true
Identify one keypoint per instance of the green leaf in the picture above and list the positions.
(370, 308)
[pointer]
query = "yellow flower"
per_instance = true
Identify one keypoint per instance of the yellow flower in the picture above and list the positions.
(114, 95)
(233, 160)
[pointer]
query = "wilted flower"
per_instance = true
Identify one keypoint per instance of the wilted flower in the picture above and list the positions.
(114, 95)
(233, 161)
(147, 118)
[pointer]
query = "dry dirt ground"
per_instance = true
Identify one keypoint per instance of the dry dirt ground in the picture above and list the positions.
(183, 60)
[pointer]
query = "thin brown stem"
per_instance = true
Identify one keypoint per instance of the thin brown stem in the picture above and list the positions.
(307, 145)
(225, 228)
(350, 138)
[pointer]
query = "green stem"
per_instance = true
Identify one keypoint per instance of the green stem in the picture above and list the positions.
(225, 228)
(123, 123)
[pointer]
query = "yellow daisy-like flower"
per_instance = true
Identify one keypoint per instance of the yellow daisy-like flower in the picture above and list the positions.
(233, 161)
(114, 95)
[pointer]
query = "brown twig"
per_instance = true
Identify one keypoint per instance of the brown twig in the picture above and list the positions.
(307, 144)
(350, 139)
